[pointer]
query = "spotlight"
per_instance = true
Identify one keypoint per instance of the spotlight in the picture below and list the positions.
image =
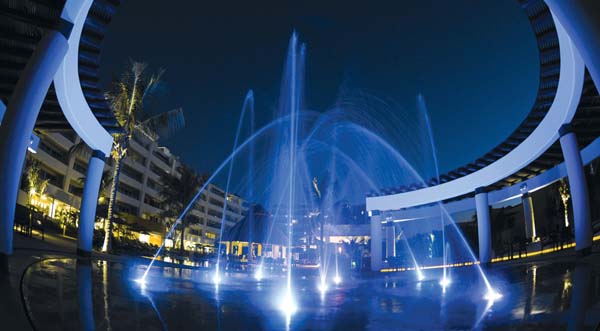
(445, 282)
(287, 305)
(258, 275)
(420, 275)
(492, 295)
(322, 287)
(142, 282)
(216, 279)
(337, 280)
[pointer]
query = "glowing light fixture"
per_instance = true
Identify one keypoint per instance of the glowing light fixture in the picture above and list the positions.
(445, 282)
(337, 280)
(322, 287)
(492, 295)
(258, 275)
(142, 282)
(287, 305)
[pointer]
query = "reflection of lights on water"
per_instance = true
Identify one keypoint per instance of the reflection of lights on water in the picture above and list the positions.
(337, 280)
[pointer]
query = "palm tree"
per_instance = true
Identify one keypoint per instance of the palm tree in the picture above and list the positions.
(353, 248)
(177, 191)
(127, 100)
(563, 190)
(36, 184)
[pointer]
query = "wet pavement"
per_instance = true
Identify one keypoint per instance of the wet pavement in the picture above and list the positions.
(65, 294)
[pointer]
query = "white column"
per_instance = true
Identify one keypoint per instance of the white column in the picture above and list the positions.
(578, 188)
(484, 230)
(89, 202)
(18, 123)
(581, 20)
(376, 241)
(390, 240)
(530, 232)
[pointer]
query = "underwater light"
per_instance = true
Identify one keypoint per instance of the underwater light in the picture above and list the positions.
(322, 287)
(142, 282)
(337, 280)
(492, 295)
(445, 282)
(216, 278)
(287, 305)
(258, 275)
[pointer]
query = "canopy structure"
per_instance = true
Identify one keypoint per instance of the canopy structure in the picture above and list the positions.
(49, 68)
(22, 25)
(556, 54)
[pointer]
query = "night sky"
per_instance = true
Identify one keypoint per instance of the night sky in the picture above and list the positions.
(475, 62)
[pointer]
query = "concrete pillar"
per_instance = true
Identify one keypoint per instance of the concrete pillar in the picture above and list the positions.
(89, 202)
(18, 123)
(376, 241)
(484, 225)
(390, 240)
(84, 294)
(530, 233)
(581, 20)
(578, 188)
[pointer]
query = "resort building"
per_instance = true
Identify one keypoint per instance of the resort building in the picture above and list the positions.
(138, 204)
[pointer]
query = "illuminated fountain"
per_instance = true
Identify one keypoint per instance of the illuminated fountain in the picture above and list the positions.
(309, 160)
(247, 107)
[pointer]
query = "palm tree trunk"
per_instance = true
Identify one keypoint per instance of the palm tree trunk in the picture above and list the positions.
(182, 237)
(108, 224)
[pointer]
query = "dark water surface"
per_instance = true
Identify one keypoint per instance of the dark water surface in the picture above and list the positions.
(64, 294)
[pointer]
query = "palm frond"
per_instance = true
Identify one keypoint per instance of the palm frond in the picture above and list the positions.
(178, 190)
(152, 84)
(80, 149)
(163, 124)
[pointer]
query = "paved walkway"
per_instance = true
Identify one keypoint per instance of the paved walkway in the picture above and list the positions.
(30, 250)
(26, 252)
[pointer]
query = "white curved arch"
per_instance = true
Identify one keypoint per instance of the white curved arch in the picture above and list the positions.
(545, 134)
(588, 154)
(68, 87)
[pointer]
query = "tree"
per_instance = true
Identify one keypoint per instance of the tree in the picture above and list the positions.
(354, 248)
(127, 99)
(36, 184)
(563, 190)
(177, 191)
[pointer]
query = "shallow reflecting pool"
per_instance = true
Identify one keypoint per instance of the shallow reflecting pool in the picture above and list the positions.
(65, 294)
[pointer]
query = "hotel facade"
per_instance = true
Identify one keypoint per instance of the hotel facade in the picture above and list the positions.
(138, 197)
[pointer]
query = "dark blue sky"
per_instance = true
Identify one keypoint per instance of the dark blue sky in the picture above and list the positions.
(476, 63)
